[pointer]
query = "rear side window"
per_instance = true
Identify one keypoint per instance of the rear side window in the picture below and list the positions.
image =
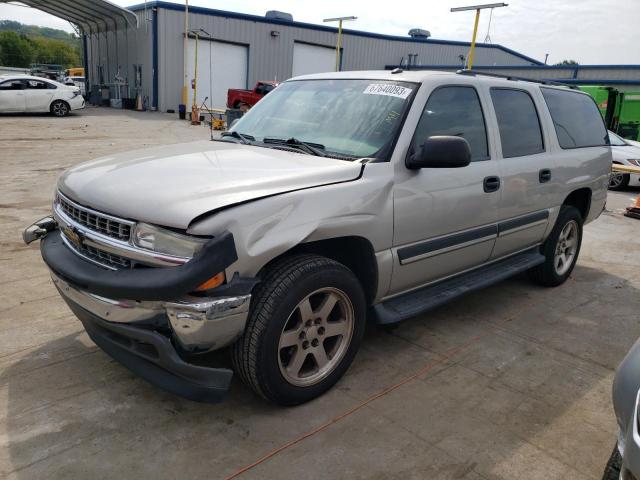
(518, 122)
(454, 111)
(576, 118)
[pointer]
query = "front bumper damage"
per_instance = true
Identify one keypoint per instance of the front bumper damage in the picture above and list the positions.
(145, 318)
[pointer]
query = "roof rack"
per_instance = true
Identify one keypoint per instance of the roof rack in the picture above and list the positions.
(466, 71)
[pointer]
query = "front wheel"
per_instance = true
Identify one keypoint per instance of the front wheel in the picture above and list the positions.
(60, 108)
(561, 249)
(306, 324)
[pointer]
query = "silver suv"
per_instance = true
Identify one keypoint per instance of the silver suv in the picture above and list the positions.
(338, 197)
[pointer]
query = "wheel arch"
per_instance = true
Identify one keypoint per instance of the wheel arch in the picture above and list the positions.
(580, 199)
(354, 252)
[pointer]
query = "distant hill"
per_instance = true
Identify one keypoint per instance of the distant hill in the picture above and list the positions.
(35, 31)
(21, 45)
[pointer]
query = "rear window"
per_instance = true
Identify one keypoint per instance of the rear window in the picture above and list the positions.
(518, 122)
(576, 118)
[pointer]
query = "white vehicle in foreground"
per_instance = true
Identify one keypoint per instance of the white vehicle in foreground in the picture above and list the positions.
(26, 93)
(625, 152)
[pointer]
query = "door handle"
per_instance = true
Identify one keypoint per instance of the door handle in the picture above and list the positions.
(544, 175)
(491, 184)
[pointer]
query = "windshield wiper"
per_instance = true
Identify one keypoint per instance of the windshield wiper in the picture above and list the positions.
(311, 148)
(246, 139)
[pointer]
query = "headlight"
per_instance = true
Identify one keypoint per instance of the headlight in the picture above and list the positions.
(162, 240)
(634, 161)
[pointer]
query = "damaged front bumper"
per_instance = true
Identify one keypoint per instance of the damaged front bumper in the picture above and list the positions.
(146, 319)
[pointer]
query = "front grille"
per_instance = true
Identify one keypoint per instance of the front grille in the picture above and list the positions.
(95, 221)
(101, 257)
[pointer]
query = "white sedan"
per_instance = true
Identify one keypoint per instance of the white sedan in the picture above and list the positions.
(625, 152)
(25, 93)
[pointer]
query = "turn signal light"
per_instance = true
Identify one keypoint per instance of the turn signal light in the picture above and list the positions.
(213, 282)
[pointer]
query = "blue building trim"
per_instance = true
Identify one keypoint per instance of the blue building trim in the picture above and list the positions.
(311, 26)
(154, 54)
(522, 67)
(85, 56)
(568, 81)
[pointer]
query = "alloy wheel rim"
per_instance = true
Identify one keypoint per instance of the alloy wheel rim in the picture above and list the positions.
(59, 109)
(615, 180)
(315, 337)
(566, 248)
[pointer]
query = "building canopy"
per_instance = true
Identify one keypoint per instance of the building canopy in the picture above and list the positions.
(90, 16)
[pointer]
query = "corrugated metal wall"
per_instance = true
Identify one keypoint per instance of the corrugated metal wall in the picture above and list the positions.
(119, 52)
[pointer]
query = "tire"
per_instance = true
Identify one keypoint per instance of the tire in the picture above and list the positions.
(60, 108)
(553, 272)
(613, 467)
(268, 354)
(619, 181)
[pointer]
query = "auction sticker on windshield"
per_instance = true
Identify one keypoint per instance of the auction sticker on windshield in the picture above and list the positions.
(387, 89)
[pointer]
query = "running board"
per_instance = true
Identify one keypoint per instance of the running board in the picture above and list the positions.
(419, 301)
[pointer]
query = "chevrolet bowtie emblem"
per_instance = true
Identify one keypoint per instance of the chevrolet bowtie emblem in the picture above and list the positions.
(72, 235)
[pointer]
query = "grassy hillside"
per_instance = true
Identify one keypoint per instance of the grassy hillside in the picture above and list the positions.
(21, 45)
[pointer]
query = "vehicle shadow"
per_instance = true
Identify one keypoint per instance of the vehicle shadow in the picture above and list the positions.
(514, 377)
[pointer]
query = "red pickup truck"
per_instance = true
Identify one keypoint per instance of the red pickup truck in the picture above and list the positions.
(245, 99)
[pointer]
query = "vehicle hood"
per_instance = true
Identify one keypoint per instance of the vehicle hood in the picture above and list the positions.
(171, 185)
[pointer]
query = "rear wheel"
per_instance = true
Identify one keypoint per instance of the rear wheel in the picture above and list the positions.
(619, 181)
(561, 249)
(60, 108)
(306, 323)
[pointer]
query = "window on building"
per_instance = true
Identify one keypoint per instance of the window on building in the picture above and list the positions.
(576, 118)
(518, 122)
(454, 111)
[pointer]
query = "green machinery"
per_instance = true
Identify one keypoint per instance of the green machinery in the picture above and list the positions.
(621, 110)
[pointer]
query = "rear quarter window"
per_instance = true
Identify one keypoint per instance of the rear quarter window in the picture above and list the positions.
(576, 118)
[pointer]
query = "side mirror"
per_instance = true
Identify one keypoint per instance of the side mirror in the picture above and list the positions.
(440, 152)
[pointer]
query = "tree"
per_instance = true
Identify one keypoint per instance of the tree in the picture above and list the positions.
(21, 45)
(567, 62)
(15, 50)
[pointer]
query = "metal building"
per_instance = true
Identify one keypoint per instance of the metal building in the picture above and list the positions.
(124, 59)
(236, 50)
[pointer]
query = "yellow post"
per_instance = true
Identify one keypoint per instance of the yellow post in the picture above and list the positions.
(339, 45)
(195, 75)
(185, 82)
(195, 111)
(473, 40)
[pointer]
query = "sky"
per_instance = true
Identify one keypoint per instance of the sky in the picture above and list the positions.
(588, 31)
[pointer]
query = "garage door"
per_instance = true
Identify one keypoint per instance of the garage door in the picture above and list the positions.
(312, 59)
(227, 69)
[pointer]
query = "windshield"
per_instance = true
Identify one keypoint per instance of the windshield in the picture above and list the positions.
(348, 118)
(615, 140)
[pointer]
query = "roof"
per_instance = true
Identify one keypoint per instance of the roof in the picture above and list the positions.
(311, 26)
(89, 15)
(423, 76)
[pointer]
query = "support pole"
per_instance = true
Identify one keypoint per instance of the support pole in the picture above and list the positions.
(339, 45)
(477, 8)
(339, 42)
(473, 40)
(185, 83)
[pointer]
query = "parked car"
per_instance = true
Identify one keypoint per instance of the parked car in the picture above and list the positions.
(245, 99)
(625, 152)
(26, 93)
(624, 463)
(76, 82)
(338, 196)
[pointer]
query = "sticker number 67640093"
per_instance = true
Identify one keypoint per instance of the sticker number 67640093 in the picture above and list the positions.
(387, 89)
